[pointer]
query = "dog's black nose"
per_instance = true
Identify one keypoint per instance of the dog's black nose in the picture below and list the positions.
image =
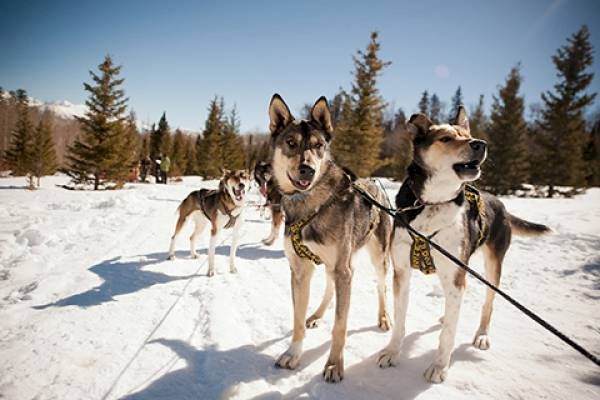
(477, 145)
(241, 186)
(306, 172)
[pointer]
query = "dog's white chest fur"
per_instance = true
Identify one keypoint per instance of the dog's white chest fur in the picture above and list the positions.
(444, 220)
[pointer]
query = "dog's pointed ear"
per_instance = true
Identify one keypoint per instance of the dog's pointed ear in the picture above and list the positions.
(418, 125)
(321, 115)
(279, 114)
(461, 118)
(225, 172)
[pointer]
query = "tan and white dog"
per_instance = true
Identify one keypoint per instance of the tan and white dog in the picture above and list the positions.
(222, 208)
(457, 217)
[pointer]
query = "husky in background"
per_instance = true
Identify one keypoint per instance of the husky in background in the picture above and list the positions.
(221, 208)
(263, 176)
(326, 221)
(457, 217)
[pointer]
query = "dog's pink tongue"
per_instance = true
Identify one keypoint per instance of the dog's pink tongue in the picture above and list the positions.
(302, 182)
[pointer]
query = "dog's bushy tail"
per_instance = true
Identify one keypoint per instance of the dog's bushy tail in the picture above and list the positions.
(522, 227)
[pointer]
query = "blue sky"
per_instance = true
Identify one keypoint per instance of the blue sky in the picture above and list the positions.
(177, 55)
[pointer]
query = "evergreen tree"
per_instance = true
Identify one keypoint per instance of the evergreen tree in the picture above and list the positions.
(455, 103)
(178, 154)
(191, 164)
(592, 153)
(478, 121)
(435, 109)
(508, 164)
(104, 151)
(424, 103)
(562, 121)
(161, 138)
(343, 139)
(359, 143)
(231, 143)
(208, 147)
(18, 155)
(43, 152)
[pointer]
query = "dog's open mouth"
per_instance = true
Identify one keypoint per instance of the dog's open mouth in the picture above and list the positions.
(301, 184)
(238, 194)
(263, 189)
(468, 167)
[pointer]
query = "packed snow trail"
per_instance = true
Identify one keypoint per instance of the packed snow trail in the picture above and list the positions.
(91, 309)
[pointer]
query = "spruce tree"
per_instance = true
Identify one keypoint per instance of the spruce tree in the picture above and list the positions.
(359, 144)
(160, 138)
(424, 103)
(343, 139)
(435, 109)
(455, 103)
(508, 164)
(178, 154)
(104, 151)
(18, 155)
(43, 153)
(191, 164)
(563, 130)
(231, 143)
(478, 121)
(208, 147)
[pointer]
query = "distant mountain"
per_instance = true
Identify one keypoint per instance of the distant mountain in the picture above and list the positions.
(62, 109)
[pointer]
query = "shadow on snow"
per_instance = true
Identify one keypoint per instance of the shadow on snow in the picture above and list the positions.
(212, 374)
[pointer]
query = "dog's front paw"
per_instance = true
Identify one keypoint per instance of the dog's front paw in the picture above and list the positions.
(194, 255)
(481, 341)
(233, 269)
(384, 322)
(211, 272)
(387, 357)
(171, 257)
(268, 241)
(334, 371)
(312, 322)
(289, 359)
(436, 373)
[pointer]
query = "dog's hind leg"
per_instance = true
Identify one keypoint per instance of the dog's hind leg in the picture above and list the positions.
(302, 271)
(379, 259)
(200, 223)
(183, 214)
(402, 272)
(493, 265)
(313, 320)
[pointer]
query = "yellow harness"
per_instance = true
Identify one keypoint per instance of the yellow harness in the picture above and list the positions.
(420, 251)
(296, 233)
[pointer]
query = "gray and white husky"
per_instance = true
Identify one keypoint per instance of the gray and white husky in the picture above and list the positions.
(326, 221)
(221, 208)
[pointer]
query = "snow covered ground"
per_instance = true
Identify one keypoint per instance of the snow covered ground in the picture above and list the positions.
(91, 309)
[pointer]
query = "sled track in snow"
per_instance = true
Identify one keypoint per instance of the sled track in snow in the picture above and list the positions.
(158, 325)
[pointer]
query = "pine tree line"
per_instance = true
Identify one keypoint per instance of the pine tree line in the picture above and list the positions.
(31, 151)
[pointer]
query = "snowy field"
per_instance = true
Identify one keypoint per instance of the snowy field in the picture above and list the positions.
(91, 309)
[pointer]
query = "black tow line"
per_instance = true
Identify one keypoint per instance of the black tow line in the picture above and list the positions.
(396, 215)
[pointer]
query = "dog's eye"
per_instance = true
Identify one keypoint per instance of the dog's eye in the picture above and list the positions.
(291, 144)
(445, 139)
(319, 146)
